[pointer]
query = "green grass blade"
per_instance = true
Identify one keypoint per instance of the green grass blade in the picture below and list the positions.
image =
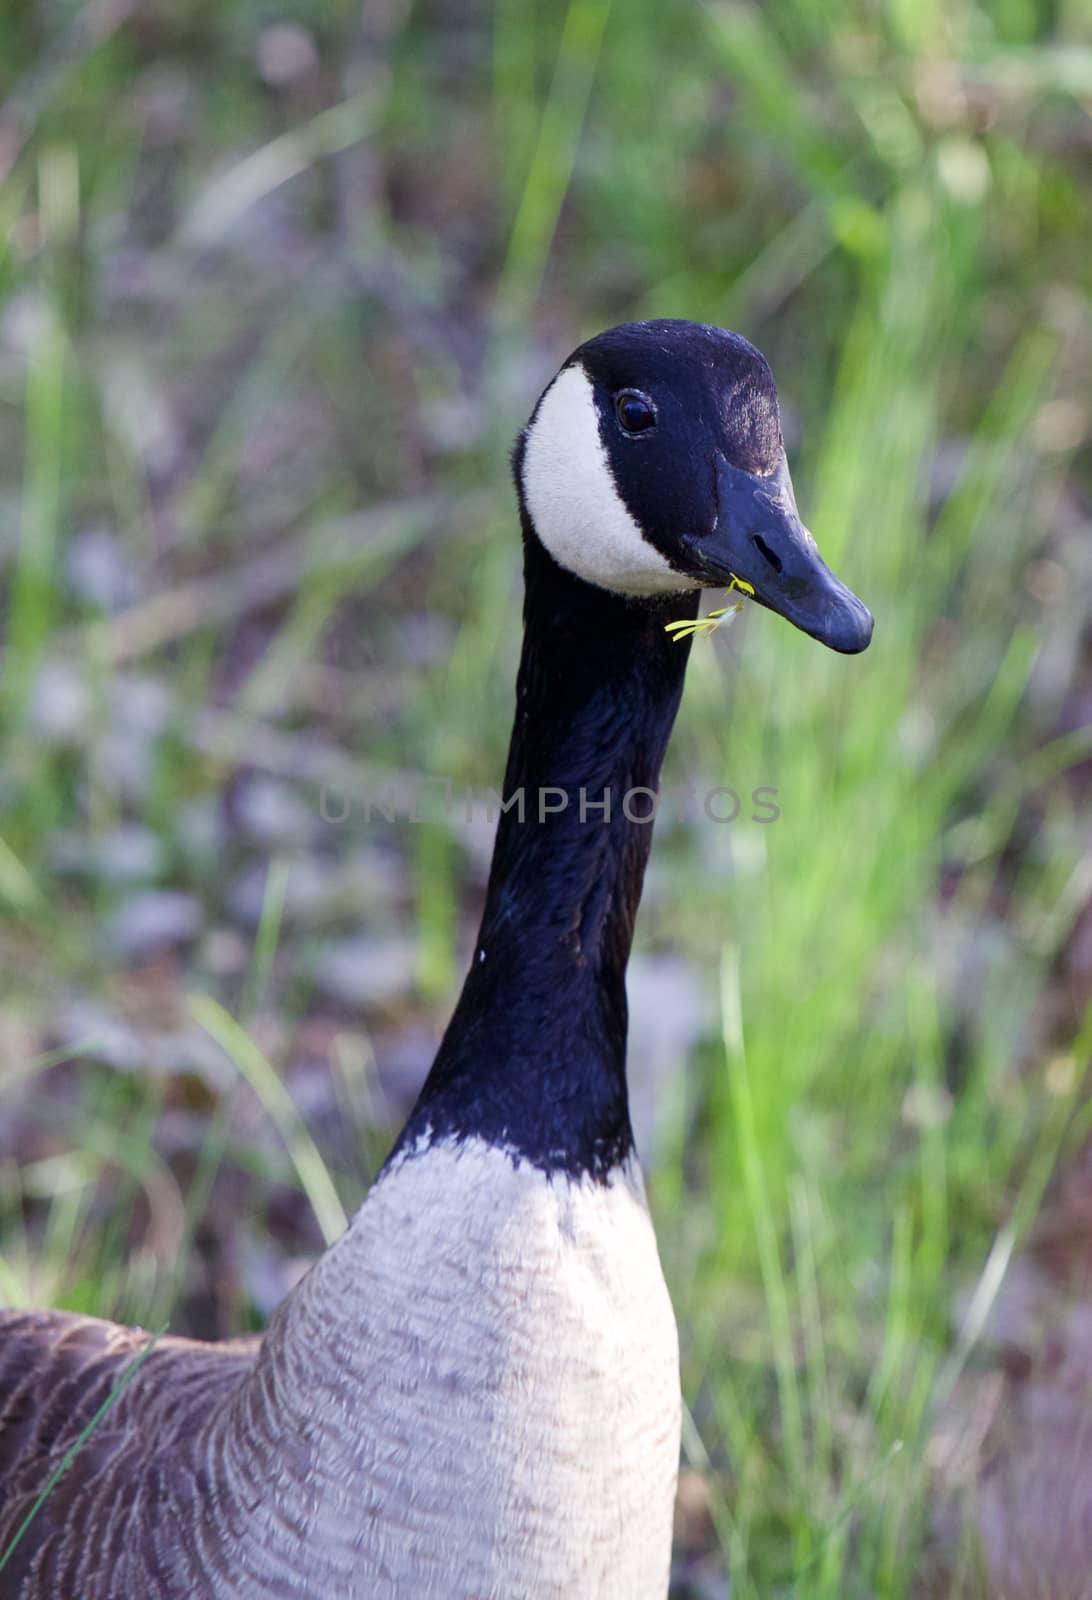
(311, 1170)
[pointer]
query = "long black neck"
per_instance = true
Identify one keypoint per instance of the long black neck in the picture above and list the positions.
(534, 1057)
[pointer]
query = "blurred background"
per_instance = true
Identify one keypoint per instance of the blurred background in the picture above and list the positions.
(278, 285)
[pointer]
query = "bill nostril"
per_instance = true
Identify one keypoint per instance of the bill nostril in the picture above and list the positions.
(771, 557)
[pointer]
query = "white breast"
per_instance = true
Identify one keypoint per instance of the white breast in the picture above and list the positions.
(490, 1406)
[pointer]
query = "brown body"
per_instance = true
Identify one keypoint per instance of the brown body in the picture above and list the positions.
(56, 1370)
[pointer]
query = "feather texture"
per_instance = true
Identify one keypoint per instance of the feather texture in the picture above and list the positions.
(509, 1427)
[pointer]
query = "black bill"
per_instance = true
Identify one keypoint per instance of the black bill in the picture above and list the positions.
(760, 539)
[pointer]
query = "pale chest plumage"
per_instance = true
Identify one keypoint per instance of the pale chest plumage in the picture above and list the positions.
(491, 1411)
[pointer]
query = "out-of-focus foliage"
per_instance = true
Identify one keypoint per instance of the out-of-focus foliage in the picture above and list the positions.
(277, 286)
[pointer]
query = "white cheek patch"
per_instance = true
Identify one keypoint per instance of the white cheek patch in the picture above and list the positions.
(574, 504)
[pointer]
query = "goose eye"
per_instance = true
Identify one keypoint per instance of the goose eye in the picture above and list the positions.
(635, 411)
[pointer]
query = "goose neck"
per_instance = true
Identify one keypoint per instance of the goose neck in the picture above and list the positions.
(534, 1057)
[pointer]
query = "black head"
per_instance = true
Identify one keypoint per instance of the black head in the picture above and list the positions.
(654, 463)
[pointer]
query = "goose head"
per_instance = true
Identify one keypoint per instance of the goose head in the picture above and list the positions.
(654, 463)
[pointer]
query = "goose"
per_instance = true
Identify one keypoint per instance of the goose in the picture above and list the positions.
(474, 1393)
